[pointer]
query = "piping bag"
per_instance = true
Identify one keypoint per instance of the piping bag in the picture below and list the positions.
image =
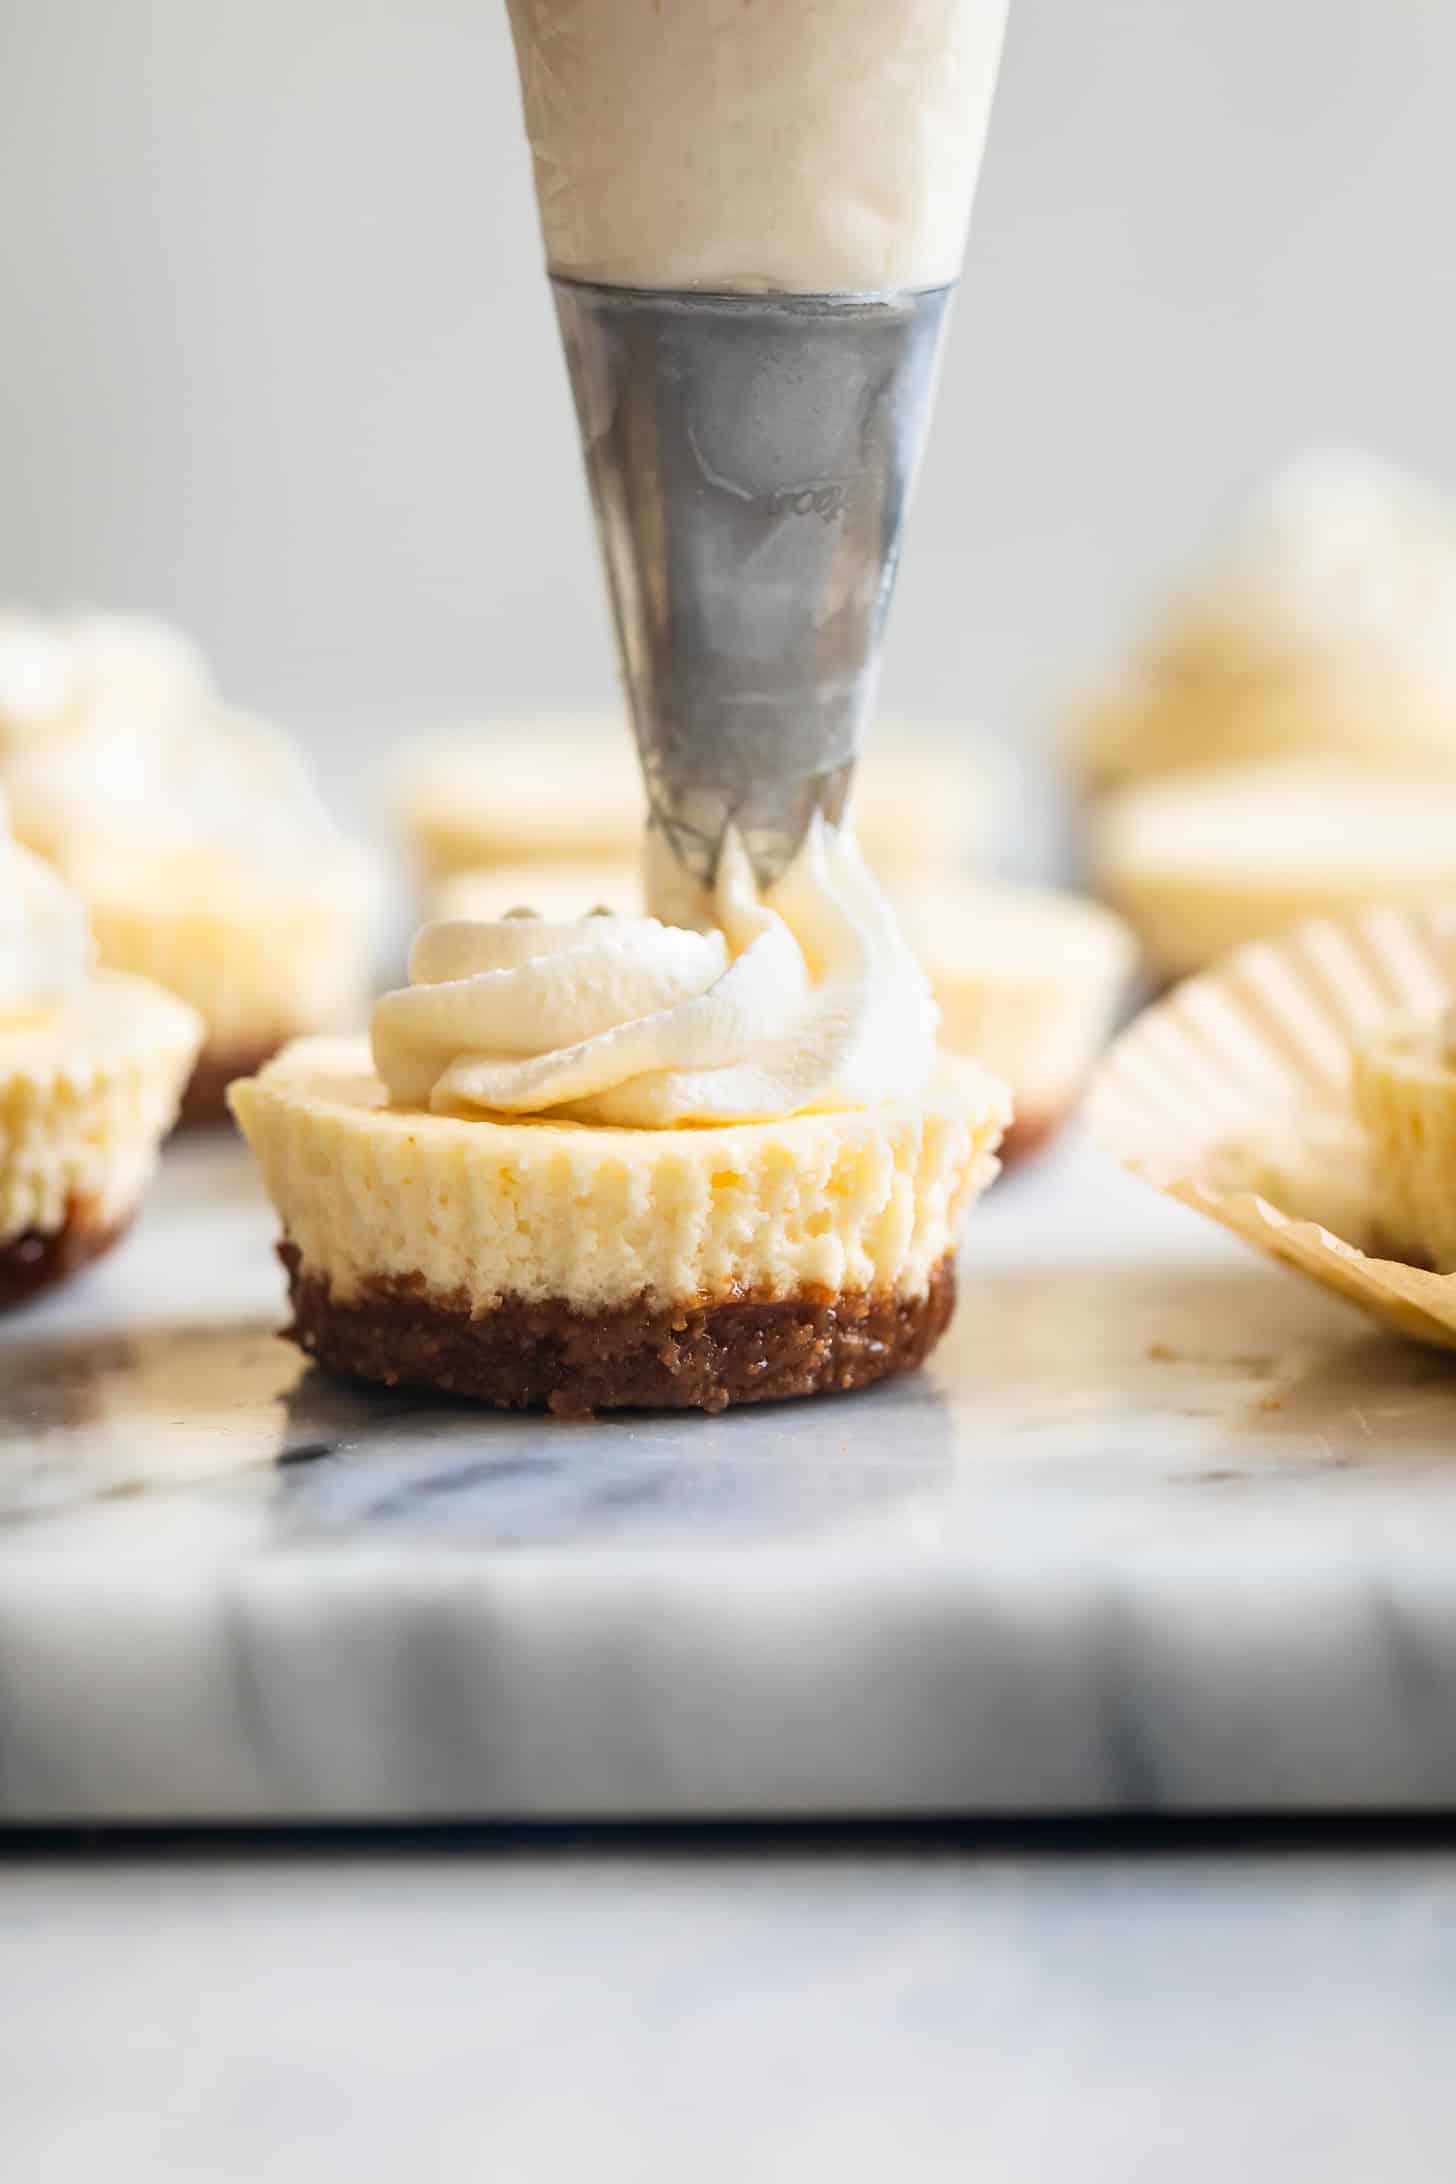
(754, 213)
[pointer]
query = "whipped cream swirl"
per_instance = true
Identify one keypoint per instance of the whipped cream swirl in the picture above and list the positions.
(113, 739)
(94, 677)
(806, 998)
(45, 942)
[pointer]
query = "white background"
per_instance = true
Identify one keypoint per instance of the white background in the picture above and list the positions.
(276, 356)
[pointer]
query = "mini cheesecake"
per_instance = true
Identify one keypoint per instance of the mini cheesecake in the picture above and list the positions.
(1405, 1099)
(193, 835)
(537, 1263)
(1323, 630)
(518, 791)
(89, 1087)
(92, 1066)
(609, 1161)
(1202, 862)
(1028, 980)
(263, 959)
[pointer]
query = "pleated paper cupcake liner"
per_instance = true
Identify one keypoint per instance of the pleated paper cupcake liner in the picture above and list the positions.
(1233, 1095)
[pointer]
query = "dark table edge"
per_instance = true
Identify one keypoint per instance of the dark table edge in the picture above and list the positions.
(1143, 1835)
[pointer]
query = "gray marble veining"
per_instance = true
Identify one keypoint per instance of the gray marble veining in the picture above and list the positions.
(1160, 1530)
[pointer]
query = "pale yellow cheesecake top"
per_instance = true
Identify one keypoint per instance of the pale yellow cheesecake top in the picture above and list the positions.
(1006, 930)
(1202, 862)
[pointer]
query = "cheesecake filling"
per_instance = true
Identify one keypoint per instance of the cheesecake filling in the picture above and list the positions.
(475, 1212)
(803, 999)
(781, 145)
(91, 1065)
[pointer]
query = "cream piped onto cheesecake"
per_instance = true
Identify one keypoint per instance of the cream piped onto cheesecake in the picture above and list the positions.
(803, 998)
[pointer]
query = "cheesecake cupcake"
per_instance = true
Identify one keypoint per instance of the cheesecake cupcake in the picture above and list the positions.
(563, 791)
(1404, 1088)
(1028, 980)
(560, 789)
(194, 836)
(610, 1162)
(926, 802)
(1302, 1094)
(1326, 629)
(1200, 863)
(92, 1065)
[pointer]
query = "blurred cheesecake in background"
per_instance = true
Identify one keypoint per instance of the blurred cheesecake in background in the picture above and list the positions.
(926, 800)
(194, 836)
(1200, 862)
(60, 678)
(1324, 629)
(562, 789)
(1028, 980)
(1404, 1092)
(551, 788)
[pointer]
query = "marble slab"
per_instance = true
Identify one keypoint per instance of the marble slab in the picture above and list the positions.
(1160, 1530)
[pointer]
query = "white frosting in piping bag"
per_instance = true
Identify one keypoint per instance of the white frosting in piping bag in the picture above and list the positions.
(803, 146)
(806, 998)
(45, 942)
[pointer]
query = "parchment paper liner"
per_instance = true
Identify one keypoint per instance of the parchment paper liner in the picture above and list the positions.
(1258, 1050)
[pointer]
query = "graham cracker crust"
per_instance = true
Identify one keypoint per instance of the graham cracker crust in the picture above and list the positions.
(1029, 1133)
(39, 1258)
(549, 1356)
(205, 1100)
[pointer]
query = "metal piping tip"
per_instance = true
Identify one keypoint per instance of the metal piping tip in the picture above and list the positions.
(750, 460)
